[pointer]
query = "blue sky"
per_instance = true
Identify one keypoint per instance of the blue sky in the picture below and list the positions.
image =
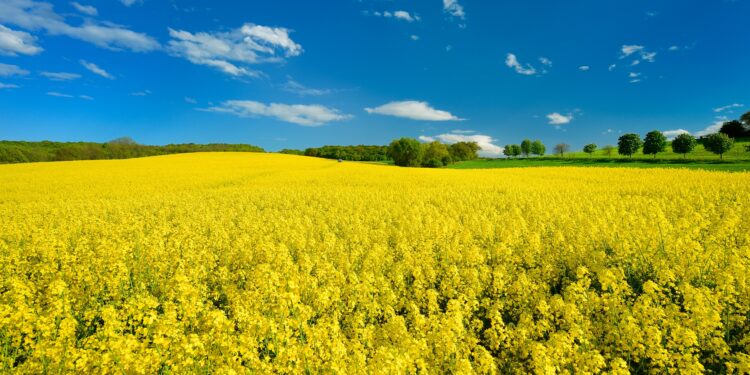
(296, 74)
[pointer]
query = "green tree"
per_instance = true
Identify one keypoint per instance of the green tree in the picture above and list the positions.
(684, 144)
(436, 155)
(629, 144)
(608, 149)
(589, 149)
(464, 151)
(734, 129)
(538, 148)
(562, 148)
(526, 147)
(654, 143)
(508, 150)
(515, 150)
(406, 152)
(718, 143)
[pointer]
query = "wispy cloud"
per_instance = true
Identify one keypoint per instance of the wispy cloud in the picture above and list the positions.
(300, 114)
(7, 70)
(485, 142)
(250, 44)
(302, 90)
(60, 76)
(128, 3)
(728, 107)
(14, 42)
(8, 86)
(584, 68)
(190, 100)
(85, 9)
(141, 93)
(93, 68)
(453, 8)
(38, 15)
(414, 110)
(672, 134)
(512, 62)
(398, 14)
(558, 119)
(713, 128)
(638, 51)
(59, 94)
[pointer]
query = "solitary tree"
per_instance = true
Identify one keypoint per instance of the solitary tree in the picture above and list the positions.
(718, 143)
(406, 152)
(435, 155)
(538, 148)
(684, 144)
(734, 129)
(654, 143)
(608, 149)
(629, 144)
(562, 148)
(526, 147)
(589, 149)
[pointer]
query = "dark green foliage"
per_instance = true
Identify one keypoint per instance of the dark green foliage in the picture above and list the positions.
(515, 150)
(526, 147)
(538, 148)
(562, 148)
(462, 151)
(734, 129)
(745, 119)
(718, 143)
(353, 153)
(435, 155)
(289, 151)
(406, 152)
(589, 148)
(121, 148)
(654, 143)
(684, 144)
(629, 144)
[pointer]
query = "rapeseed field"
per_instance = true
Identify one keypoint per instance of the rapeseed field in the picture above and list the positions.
(264, 263)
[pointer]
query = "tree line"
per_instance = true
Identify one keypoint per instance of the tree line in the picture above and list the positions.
(120, 148)
(409, 152)
(351, 153)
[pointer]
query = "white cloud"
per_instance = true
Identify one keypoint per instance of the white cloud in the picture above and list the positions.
(639, 51)
(672, 134)
(250, 44)
(426, 139)
(460, 131)
(37, 15)
(60, 76)
(7, 70)
(399, 14)
(556, 118)
(128, 3)
(485, 142)
(302, 90)
(628, 50)
(141, 93)
(674, 48)
(85, 97)
(59, 95)
(649, 56)
(512, 62)
(728, 107)
(13, 42)
(93, 68)
(305, 115)
(412, 109)
(635, 80)
(545, 61)
(8, 86)
(584, 68)
(711, 129)
(414, 37)
(190, 100)
(612, 67)
(453, 8)
(85, 9)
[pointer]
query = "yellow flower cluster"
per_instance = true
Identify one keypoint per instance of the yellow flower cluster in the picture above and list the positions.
(236, 263)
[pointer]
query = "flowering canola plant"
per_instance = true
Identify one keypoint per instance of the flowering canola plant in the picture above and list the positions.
(264, 263)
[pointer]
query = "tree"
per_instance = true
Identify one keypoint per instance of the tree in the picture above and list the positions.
(654, 143)
(718, 143)
(406, 152)
(526, 147)
(608, 150)
(734, 129)
(629, 144)
(745, 119)
(508, 150)
(684, 144)
(515, 150)
(436, 155)
(562, 148)
(461, 151)
(589, 148)
(538, 148)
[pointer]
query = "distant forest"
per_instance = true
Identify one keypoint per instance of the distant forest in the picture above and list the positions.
(121, 148)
